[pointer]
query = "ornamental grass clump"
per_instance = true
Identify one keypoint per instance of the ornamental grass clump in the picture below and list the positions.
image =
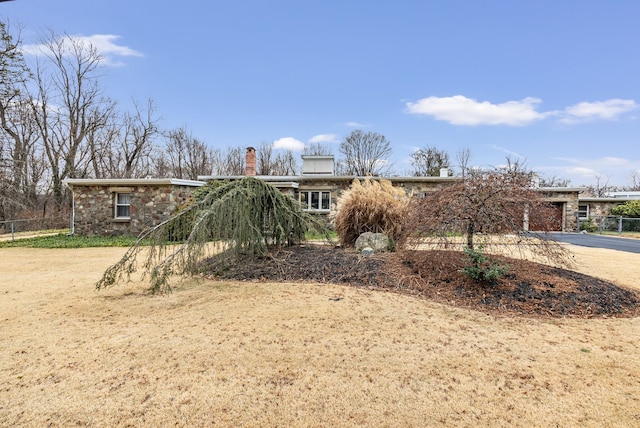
(370, 206)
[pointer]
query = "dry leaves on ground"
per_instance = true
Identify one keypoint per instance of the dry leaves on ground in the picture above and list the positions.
(529, 288)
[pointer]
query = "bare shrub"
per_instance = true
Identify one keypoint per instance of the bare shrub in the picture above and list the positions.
(498, 207)
(370, 206)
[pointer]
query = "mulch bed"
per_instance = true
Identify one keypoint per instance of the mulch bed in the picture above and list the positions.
(528, 289)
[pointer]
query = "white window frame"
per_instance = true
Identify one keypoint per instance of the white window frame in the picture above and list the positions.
(586, 212)
(117, 203)
(306, 201)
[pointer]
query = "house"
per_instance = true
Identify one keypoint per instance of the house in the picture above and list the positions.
(597, 210)
(128, 206)
(107, 207)
(319, 188)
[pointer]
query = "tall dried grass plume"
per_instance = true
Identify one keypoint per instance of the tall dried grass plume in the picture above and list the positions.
(370, 206)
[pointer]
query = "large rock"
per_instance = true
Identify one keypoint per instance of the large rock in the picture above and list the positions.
(376, 241)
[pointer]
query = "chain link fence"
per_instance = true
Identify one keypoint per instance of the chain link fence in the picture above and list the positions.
(611, 224)
(9, 229)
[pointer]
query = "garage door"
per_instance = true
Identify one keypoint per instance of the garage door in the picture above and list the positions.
(555, 220)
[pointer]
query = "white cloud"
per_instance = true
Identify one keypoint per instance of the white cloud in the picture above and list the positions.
(508, 152)
(460, 110)
(582, 172)
(613, 161)
(599, 110)
(615, 170)
(324, 138)
(288, 143)
(355, 125)
(105, 44)
(598, 163)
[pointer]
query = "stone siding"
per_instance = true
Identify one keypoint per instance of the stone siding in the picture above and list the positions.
(95, 210)
(601, 208)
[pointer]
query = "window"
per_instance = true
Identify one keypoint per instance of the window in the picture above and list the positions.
(123, 205)
(583, 212)
(316, 200)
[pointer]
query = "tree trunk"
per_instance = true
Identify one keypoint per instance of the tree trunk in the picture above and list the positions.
(471, 228)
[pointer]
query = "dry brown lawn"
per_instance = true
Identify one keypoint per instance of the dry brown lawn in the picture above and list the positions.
(261, 354)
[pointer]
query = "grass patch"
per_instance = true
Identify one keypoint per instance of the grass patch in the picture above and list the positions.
(624, 234)
(62, 240)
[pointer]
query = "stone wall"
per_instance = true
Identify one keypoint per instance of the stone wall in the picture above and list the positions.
(95, 215)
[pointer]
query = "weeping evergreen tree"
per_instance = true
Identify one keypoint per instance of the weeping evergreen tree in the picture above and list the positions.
(245, 217)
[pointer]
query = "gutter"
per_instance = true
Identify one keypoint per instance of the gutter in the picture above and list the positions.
(72, 216)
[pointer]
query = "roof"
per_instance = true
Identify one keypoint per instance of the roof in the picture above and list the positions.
(325, 177)
(318, 157)
(614, 200)
(623, 195)
(70, 182)
(562, 189)
(280, 181)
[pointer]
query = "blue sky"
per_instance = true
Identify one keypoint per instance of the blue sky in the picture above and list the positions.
(555, 83)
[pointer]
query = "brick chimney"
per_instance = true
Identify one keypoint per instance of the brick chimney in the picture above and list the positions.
(250, 167)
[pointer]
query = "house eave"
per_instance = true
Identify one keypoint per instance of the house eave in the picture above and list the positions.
(86, 182)
(561, 189)
(327, 177)
(611, 200)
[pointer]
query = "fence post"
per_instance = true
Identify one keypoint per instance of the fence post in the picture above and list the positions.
(12, 230)
(620, 225)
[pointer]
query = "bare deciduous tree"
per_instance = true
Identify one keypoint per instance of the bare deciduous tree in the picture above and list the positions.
(600, 188)
(553, 181)
(463, 158)
(232, 162)
(135, 141)
(20, 157)
(68, 105)
(317, 149)
(635, 182)
(285, 164)
(428, 161)
(17, 138)
(188, 157)
(264, 159)
(270, 163)
(365, 154)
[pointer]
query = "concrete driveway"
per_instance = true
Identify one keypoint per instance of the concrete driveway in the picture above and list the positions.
(598, 241)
